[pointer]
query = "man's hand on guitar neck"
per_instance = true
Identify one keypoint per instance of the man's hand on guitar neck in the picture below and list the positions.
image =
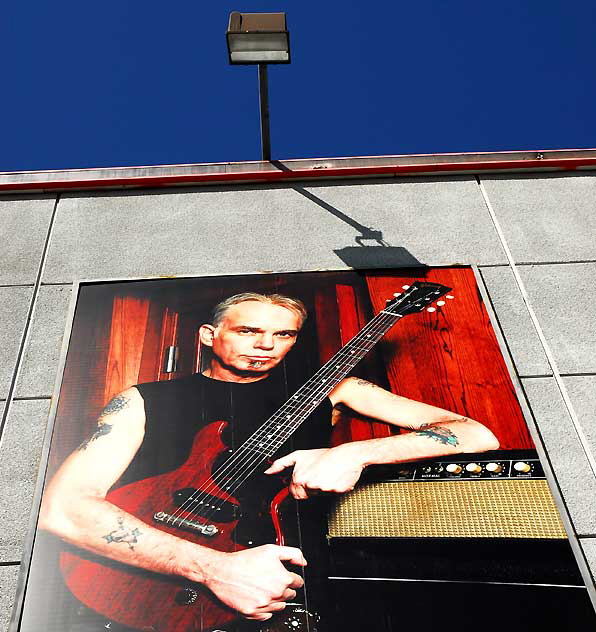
(254, 581)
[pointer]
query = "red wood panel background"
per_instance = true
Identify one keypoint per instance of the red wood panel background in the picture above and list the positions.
(352, 320)
(451, 358)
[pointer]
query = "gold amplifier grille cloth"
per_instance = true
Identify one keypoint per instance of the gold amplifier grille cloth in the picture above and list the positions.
(448, 509)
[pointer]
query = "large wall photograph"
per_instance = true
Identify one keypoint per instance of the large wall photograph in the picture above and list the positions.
(316, 451)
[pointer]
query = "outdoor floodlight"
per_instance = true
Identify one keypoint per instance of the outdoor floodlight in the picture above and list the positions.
(258, 38)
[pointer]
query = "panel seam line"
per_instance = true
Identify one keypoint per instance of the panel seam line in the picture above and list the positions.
(546, 347)
(27, 328)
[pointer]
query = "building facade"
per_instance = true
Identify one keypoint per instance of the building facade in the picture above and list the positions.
(525, 220)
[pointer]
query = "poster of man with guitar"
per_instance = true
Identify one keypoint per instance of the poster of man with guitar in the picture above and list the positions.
(184, 508)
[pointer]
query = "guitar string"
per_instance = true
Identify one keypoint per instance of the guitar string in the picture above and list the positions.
(241, 456)
(247, 460)
(246, 456)
(374, 338)
(253, 458)
(249, 467)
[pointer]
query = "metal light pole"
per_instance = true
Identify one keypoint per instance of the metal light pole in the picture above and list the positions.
(259, 39)
(264, 111)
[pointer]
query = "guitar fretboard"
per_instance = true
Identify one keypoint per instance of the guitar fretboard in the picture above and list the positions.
(269, 437)
(274, 432)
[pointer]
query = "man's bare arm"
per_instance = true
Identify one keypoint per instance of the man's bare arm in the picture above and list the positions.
(435, 432)
(74, 505)
(75, 508)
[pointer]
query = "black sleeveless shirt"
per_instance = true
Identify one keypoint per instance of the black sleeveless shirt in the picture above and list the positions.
(176, 410)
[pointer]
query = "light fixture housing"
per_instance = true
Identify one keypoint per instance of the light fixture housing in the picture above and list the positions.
(258, 38)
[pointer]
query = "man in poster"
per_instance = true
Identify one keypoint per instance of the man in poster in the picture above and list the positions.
(140, 432)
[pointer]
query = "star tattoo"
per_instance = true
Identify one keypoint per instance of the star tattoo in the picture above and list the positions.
(122, 534)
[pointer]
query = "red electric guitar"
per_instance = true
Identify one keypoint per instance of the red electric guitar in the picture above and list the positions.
(206, 501)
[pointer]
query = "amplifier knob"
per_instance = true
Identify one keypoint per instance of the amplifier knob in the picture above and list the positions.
(520, 466)
(495, 468)
(454, 468)
(473, 468)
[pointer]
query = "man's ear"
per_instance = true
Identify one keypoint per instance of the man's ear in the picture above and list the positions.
(206, 335)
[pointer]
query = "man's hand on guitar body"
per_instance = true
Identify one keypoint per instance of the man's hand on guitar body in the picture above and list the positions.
(326, 469)
(254, 581)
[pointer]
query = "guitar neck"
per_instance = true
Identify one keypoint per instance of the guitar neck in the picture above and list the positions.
(269, 437)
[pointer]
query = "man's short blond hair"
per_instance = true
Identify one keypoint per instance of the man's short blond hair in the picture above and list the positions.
(293, 304)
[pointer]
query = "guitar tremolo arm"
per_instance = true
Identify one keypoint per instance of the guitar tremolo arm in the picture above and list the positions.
(183, 523)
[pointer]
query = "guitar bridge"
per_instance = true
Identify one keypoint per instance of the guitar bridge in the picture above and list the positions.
(183, 523)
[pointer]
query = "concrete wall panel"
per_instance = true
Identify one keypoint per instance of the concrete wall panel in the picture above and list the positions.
(427, 217)
(240, 230)
(42, 350)
(19, 463)
(589, 548)
(24, 223)
(14, 306)
(546, 217)
(8, 586)
(568, 458)
(582, 392)
(513, 316)
(563, 298)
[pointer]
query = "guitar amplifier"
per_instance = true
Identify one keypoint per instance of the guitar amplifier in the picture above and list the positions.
(484, 517)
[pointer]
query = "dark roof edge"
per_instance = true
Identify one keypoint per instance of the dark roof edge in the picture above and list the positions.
(302, 169)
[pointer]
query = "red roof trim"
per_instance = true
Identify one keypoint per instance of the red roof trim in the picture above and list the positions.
(545, 164)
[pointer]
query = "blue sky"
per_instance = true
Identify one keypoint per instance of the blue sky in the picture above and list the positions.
(132, 83)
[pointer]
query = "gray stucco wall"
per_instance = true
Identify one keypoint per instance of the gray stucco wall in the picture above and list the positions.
(532, 237)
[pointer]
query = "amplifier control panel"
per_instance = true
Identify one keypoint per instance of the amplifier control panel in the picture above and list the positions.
(461, 467)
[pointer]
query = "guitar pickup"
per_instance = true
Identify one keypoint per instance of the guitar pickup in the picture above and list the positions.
(183, 523)
(197, 502)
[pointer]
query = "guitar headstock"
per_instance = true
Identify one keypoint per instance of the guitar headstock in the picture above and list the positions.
(416, 298)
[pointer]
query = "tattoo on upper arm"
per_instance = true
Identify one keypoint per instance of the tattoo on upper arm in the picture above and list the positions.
(122, 534)
(438, 433)
(102, 429)
(115, 405)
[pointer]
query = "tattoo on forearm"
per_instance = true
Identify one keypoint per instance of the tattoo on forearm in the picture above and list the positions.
(366, 383)
(122, 534)
(438, 433)
(115, 405)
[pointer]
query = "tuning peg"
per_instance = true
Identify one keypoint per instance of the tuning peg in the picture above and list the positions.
(449, 296)
(396, 294)
(388, 300)
(405, 287)
(431, 309)
(440, 303)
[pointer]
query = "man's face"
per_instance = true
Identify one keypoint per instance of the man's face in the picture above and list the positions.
(253, 337)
